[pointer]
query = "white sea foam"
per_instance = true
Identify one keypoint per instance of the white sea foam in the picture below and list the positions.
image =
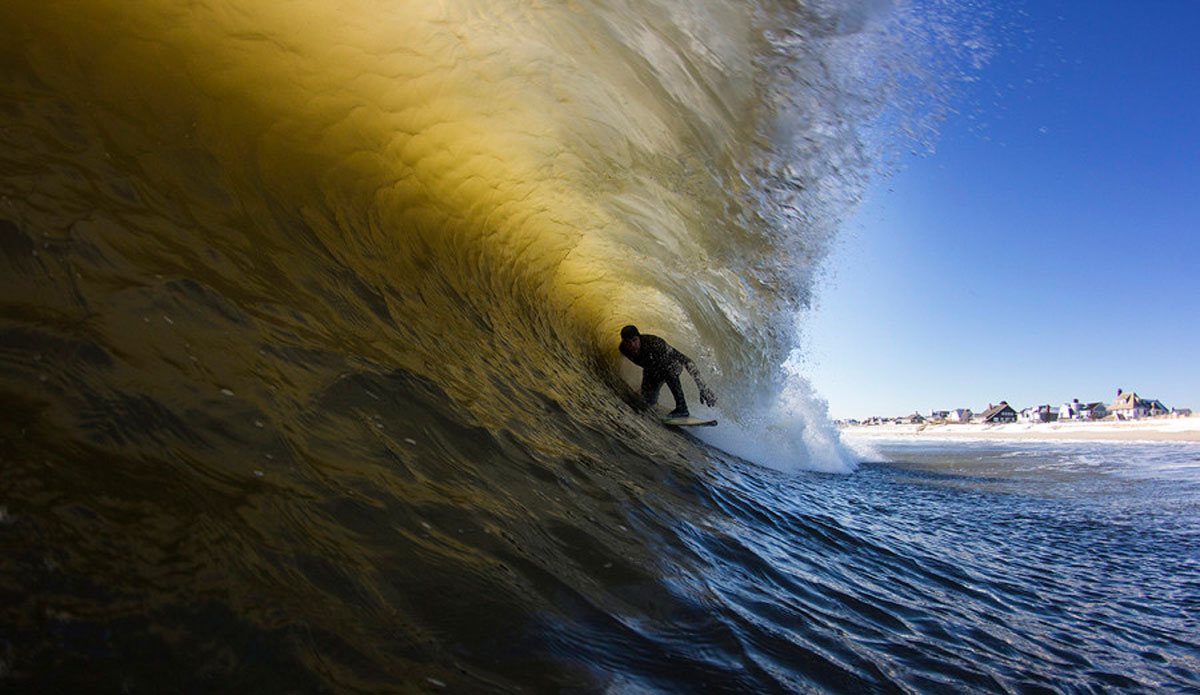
(789, 432)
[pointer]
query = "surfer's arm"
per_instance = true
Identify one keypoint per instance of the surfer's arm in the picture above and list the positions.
(707, 397)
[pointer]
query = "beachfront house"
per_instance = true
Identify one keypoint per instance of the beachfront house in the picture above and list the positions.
(1127, 406)
(1038, 413)
(1002, 412)
(959, 415)
(1076, 410)
(942, 415)
(914, 419)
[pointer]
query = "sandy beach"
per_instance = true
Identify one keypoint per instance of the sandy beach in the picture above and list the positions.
(1186, 429)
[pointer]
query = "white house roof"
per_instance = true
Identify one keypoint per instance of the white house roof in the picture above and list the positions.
(1124, 401)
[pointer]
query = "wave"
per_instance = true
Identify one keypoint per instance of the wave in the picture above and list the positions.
(308, 349)
(458, 189)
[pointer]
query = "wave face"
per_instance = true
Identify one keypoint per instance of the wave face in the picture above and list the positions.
(308, 345)
(455, 189)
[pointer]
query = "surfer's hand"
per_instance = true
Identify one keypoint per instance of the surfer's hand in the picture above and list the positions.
(707, 397)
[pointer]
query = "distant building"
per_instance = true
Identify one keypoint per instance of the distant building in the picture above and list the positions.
(1075, 410)
(939, 415)
(1181, 412)
(914, 419)
(1002, 412)
(1127, 406)
(1038, 413)
(959, 415)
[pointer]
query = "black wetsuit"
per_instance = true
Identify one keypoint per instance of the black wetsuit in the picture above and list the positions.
(660, 364)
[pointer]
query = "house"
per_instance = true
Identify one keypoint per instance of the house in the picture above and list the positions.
(942, 415)
(1038, 413)
(1082, 411)
(959, 415)
(1127, 406)
(1002, 412)
(914, 419)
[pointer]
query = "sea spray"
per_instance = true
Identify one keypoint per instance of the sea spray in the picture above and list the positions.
(860, 84)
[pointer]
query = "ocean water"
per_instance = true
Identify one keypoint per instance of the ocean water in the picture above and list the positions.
(1081, 559)
(309, 382)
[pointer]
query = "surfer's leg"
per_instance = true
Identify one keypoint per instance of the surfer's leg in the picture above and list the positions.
(681, 407)
(651, 383)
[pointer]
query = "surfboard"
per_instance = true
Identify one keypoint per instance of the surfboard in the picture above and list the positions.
(688, 421)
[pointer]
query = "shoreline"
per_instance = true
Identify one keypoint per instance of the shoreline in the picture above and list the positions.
(1183, 429)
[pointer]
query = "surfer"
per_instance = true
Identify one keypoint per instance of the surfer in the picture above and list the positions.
(661, 364)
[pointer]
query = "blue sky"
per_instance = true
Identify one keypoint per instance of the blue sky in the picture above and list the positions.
(1049, 248)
